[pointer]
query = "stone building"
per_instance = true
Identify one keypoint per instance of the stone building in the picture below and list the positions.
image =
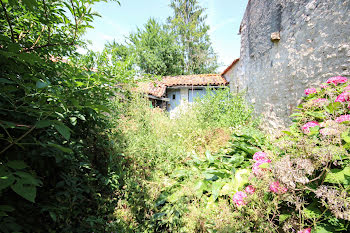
(286, 47)
(171, 92)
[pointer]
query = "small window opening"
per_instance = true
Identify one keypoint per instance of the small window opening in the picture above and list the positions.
(174, 97)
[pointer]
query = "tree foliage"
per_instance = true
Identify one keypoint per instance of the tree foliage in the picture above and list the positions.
(188, 24)
(56, 157)
(180, 46)
(156, 49)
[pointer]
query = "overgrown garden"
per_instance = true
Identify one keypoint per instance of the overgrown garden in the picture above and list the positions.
(81, 151)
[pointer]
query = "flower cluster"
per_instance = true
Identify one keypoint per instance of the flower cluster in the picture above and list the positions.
(337, 80)
(343, 97)
(320, 102)
(260, 158)
(342, 118)
(306, 230)
(307, 126)
(239, 196)
(250, 189)
(310, 91)
(277, 188)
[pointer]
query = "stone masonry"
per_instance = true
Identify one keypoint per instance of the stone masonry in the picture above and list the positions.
(286, 47)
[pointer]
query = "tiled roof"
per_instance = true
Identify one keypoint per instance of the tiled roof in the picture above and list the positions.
(194, 79)
(230, 66)
(158, 88)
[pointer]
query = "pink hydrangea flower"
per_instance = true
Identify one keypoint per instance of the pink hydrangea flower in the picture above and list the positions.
(249, 189)
(307, 126)
(336, 80)
(320, 102)
(257, 170)
(345, 96)
(238, 198)
(276, 188)
(342, 118)
(307, 230)
(323, 86)
(347, 88)
(259, 156)
(310, 91)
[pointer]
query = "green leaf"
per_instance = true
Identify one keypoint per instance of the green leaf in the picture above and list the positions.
(158, 215)
(6, 181)
(175, 196)
(100, 108)
(53, 216)
(216, 188)
(200, 187)
(40, 84)
(27, 178)
(64, 149)
(43, 124)
(345, 136)
(312, 211)
(338, 176)
(17, 164)
(6, 208)
(62, 129)
(3, 80)
(73, 120)
(241, 179)
(287, 132)
(29, 3)
(26, 191)
(209, 157)
(283, 217)
(264, 165)
(324, 229)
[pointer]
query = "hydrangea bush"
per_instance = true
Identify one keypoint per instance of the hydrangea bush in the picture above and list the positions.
(301, 184)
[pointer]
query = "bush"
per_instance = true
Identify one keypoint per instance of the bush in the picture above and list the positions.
(303, 179)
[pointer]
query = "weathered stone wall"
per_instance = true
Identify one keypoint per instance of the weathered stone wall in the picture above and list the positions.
(314, 45)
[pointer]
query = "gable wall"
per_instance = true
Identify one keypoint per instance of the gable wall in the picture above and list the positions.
(314, 46)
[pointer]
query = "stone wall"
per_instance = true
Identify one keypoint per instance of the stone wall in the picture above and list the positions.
(314, 45)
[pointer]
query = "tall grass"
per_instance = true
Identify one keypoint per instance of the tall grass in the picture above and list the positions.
(155, 146)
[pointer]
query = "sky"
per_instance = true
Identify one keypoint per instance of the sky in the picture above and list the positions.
(224, 18)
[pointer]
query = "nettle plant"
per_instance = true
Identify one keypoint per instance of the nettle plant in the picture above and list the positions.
(302, 185)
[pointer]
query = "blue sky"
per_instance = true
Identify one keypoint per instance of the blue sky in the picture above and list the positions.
(224, 17)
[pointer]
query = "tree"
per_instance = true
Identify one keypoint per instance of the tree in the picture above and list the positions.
(54, 154)
(188, 24)
(156, 51)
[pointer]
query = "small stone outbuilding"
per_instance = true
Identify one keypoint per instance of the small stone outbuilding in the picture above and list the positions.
(173, 91)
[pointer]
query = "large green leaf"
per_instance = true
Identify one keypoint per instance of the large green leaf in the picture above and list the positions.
(43, 124)
(62, 129)
(26, 191)
(338, 176)
(312, 211)
(27, 178)
(40, 84)
(17, 164)
(216, 188)
(6, 181)
(62, 148)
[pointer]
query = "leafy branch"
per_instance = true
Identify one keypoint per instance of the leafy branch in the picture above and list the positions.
(8, 21)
